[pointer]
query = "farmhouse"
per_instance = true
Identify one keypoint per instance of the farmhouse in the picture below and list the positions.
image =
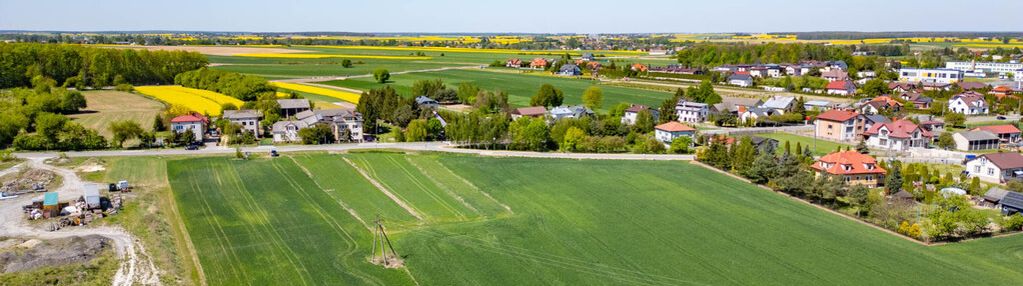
(996, 167)
(842, 87)
(743, 80)
(693, 112)
(854, 168)
(570, 70)
(667, 132)
(975, 140)
(1007, 133)
(968, 103)
(538, 63)
(513, 63)
(287, 130)
(532, 111)
(841, 125)
(629, 117)
(248, 119)
(898, 136)
(835, 75)
(195, 123)
(290, 107)
(345, 124)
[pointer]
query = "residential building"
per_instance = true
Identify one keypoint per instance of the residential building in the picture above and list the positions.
(968, 103)
(1001, 91)
(426, 102)
(835, 75)
(932, 125)
(1007, 133)
(692, 112)
(290, 107)
(899, 135)
(991, 67)
(731, 105)
(975, 140)
(900, 87)
(532, 111)
(779, 103)
(195, 123)
(573, 111)
(667, 132)
(936, 86)
(345, 124)
(869, 120)
(930, 75)
(287, 130)
(513, 63)
(753, 115)
(818, 105)
(918, 100)
(843, 87)
(538, 63)
(880, 104)
(743, 80)
(854, 168)
(840, 125)
(248, 119)
(630, 114)
(639, 67)
(570, 70)
(996, 167)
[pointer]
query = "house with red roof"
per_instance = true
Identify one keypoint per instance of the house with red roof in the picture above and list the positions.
(667, 132)
(854, 168)
(513, 63)
(900, 87)
(1007, 133)
(194, 122)
(881, 104)
(841, 87)
(532, 111)
(899, 135)
(538, 63)
(1001, 91)
(838, 124)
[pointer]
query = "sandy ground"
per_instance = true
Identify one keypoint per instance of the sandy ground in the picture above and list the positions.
(214, 50)
(136, 265)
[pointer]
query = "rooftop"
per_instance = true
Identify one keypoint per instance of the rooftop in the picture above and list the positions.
(837, 115)
(848, 163)
(674, 126)
(999, 129)
(1005, 160)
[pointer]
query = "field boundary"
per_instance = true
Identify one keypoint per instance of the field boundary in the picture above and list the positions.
(387, 192)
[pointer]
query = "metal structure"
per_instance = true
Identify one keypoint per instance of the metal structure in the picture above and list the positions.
(388, 257)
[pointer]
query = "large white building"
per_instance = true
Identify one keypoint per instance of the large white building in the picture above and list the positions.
(691, 112)
(930, 75)
(992, 67)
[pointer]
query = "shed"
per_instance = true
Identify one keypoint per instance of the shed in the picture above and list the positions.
(1012, 203)
(903, 195)
(91, 196)
(994, 196)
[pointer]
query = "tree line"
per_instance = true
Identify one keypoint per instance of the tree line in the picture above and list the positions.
(83, 66)
(244, 87)
(704, 55)
(34, 119)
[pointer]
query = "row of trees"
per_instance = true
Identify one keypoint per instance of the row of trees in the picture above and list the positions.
(82, 66)
(244, 87)
(20, 108)
(705, 55)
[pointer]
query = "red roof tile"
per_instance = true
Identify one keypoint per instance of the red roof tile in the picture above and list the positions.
(848, 163)
(901, 128)
(837, 115)
(187, 118)
(674, 126)
(999, 129)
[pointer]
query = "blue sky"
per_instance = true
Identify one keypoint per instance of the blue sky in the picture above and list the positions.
(530, 16)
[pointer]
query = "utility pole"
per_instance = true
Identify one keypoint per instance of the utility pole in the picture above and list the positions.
(380, 238)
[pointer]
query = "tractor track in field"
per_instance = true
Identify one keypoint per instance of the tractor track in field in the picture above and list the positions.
(386, 191)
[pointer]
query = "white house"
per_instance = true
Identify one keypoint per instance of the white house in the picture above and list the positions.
(248, 119)
(287, 130)
(667, 132)
(897, 136)
(968, 103)
(341, 121)
(779, 103)
(841, 87)
(996, 167)
(692, 112)
(743, 80)
(195, 123)
(930, 75)
(629, 117)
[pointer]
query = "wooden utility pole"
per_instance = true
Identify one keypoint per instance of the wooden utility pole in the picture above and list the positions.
(380, 238)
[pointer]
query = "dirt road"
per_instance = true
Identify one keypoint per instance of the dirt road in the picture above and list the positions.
(136, 265)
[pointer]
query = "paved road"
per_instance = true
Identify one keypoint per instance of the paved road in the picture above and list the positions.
(1009, 119)
(422, 146)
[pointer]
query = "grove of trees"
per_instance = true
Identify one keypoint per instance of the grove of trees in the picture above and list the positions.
(83, 66)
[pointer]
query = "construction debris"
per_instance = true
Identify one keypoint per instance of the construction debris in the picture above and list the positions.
(34, 253)
(27, 181)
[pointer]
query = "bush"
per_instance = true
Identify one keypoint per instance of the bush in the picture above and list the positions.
(125, 87)
(381, 75)
(1013, 223)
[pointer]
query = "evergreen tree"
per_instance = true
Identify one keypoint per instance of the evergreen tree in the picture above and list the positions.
(862, 147)
(763, 168)
(894, 181)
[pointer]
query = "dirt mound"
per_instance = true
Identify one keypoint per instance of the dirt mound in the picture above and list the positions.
(91, 165)
(31, 179)
(54, 252)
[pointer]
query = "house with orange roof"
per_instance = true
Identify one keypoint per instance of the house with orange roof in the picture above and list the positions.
(538, 63)
(667, 132)
(839, 125)
(1001, 91)
(881, 104)
(639, 67)
(1007, 133)
(899, 135)
(513, 63)
(854, 168)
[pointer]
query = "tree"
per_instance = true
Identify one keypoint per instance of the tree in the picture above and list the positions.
(875, 87)
(593, 97)
(158, 124)
(467, 92)
(572, 139)
(954, 119)
(680, 145)
(893, 183)
(644, 122)
(862, 147)
(529, 133)
(744, 155)
(381, 75)
(945, 141)
(857, 195)
(125, 130)
(547, 96)
(346, 63)
(416, 131)
(618, 110)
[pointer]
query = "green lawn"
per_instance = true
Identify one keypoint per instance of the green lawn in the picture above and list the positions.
(520, 87)
(574, 222)
(817, 147)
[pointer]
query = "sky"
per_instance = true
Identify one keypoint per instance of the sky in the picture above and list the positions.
(518, 16)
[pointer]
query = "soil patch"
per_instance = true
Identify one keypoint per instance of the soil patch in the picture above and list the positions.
(34, 253)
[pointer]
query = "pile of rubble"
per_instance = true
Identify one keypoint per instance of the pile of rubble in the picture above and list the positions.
(31, 180)
(78, 213)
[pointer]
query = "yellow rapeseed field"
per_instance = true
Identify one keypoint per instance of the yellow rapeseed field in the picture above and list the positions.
(321, 56)
(198, 100)
(342, 95)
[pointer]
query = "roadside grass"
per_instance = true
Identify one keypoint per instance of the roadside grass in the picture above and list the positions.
(108, 106)
(818, 147)
(575, 222)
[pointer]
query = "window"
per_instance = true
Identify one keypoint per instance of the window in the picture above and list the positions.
(976, 169)
(990, 171)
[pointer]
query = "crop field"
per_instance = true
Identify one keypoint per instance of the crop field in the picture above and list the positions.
(198, 100)
(322, 56)
(458, 219)
(342, 95)
(520, 87)
(107, 106)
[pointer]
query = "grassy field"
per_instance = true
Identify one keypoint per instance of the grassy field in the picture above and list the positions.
(520, 87)
(517, 221)
(108, 106)
(823, 147)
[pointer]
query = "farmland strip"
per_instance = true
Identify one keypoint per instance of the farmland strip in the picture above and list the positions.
(339, 201)
(385, 191)
(446, 188)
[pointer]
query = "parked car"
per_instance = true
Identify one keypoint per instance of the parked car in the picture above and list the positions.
(1000, 117)
(192, 147)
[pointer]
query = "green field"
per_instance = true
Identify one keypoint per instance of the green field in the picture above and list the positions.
(817, 147)
(302, 219)
(520, 87)
(107, 106)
